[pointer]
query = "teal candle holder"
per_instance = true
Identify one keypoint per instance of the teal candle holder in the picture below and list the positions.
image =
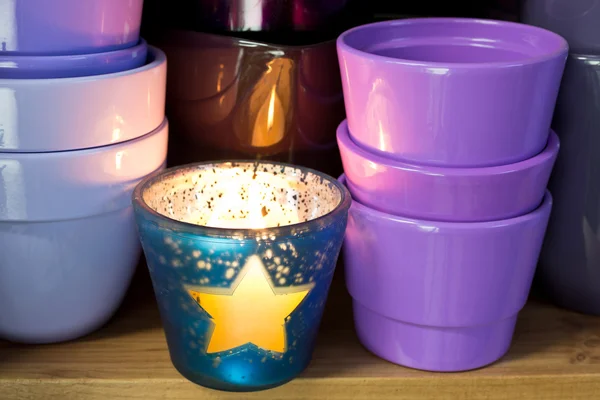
(241, 256)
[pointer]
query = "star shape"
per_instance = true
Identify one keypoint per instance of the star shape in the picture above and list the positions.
(250, 311)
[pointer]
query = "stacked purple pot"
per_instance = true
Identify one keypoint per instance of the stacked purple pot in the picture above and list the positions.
(82, 121)
(447, 151)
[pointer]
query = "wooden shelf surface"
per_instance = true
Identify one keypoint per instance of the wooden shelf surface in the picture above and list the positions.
(555, 355)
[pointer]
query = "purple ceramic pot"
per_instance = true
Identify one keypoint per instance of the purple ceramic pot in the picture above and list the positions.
(42, 27)
(445, 194)
(68, 241)
(440, 296)
(575, 20)
(70, 66)
(451, 92)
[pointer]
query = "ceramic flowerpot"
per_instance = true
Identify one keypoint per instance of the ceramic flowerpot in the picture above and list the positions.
(61, 27)
(445, 194)
(72, 65)
(440, 296)
(425, 91)
(46, 115)
(68, 241)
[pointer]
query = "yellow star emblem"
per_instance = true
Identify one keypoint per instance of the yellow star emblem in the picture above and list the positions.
(250, 311)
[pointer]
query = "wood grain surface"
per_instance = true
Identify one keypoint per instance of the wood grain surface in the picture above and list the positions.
(555, 356)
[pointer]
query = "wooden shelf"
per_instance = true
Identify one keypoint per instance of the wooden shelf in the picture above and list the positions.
(555, 355)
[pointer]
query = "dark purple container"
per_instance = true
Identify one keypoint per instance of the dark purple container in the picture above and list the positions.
(259, 82)
(570, 260)
(267, 15)
(578, 21)
(234, 98)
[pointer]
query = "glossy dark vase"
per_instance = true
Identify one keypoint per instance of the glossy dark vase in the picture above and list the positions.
(229, 97)
(258, 15)
(570, 261)
(578, 21)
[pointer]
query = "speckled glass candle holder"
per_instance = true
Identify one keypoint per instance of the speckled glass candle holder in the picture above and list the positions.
(241, 256)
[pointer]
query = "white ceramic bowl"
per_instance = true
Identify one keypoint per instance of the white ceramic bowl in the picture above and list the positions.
(45, 115)
(68, 242)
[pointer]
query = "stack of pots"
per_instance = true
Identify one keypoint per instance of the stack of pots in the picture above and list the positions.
(569, 268)
(81, 122)
(447, 151)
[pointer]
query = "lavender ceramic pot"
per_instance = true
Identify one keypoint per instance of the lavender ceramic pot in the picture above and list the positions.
(427, 90)
(445, 194)
(440, 296)
(70, 66)
(68, 241)
(570, 261)
(42, 27)
(575, 20)
(45, 115)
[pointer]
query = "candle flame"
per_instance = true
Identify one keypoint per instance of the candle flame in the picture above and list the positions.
(270, 122)
(260, 121)
(271, 112)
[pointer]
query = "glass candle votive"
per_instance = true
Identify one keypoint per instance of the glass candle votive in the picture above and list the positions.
(241, 256)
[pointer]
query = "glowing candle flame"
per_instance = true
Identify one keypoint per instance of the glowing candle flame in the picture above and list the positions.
(271, 112)
(270, 123)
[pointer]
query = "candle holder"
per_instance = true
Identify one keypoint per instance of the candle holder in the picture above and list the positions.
(241, 256)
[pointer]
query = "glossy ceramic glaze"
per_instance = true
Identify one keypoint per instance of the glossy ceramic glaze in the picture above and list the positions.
(451, 92)
(219, 94)
(292, 258)
(39, 115)
(68, 241)
(69, 66)
(576, 21)
(440, 296)
(570, 259)
(445, 194)
(42, 27)
(256, 15)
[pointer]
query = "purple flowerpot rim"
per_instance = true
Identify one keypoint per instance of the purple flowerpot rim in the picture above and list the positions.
(447, 224)
(154, 58)
(553, 44)
(73, 65)
(549, 151)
